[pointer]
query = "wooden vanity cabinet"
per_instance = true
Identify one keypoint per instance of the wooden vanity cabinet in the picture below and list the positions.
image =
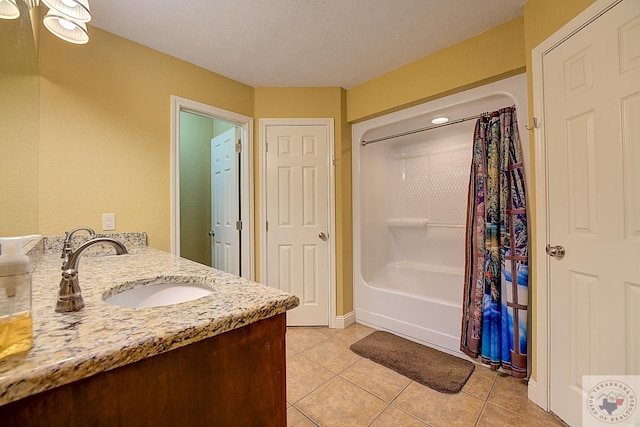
(234, 379)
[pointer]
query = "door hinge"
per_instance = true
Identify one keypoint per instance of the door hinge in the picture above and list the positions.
(266, 225)
(333, 160)
(266, 147)
(239, 147)
(238, 225)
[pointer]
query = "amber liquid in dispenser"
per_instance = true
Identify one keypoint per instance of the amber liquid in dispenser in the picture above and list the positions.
(15, 334)
(15, 298)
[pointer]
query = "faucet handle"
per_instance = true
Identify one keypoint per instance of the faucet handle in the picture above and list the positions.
(66, 246)
(67, 249)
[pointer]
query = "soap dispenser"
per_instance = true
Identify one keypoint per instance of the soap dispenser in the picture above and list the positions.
(15, 296)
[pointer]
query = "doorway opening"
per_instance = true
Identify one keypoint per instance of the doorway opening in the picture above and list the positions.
(212, 187)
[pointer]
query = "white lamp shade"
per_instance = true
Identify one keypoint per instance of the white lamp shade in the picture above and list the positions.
(78, 10)
(9, 9)
(65, 28)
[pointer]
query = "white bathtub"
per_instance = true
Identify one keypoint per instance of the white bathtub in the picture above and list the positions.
(434, 283)
(410, 196)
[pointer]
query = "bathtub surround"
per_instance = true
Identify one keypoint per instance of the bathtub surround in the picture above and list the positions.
(494, 322)
(440, 371)
(410, 204)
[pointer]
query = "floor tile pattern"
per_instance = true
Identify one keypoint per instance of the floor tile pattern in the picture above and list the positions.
(329, 385)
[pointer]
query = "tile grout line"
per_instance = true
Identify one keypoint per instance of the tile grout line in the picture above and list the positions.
(381, 412)
(311, 420)
(339, 374)
(486, 400)
(334, 375)
(388, 404)
(320, 385)
(404, 411)
(350, 338)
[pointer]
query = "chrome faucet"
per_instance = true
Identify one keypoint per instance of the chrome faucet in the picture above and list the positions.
(67, 249)
(69, 296)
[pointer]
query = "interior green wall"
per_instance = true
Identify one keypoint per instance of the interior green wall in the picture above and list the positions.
(195, 184)
(195, 187)
(219, 127)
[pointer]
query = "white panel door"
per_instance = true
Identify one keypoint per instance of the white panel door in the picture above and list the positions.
(592, 114)
(297, 216)
(225, 206)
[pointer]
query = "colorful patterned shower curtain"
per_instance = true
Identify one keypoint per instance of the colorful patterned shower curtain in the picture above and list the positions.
(494, 322)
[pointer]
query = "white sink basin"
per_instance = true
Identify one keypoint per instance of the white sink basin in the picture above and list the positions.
(159, 294)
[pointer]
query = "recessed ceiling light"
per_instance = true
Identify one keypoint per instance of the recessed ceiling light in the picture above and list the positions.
(440, 120)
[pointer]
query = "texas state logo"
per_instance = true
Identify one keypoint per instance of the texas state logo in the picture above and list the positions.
(611, 401)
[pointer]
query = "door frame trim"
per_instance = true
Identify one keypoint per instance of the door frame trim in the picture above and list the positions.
(264, 123)
(178, 104)
(539, 391)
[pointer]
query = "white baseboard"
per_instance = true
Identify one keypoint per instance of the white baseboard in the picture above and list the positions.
(342, 322)
(532, 391)
(534, 395)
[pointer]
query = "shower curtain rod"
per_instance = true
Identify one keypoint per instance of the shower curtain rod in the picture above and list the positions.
(364, 143)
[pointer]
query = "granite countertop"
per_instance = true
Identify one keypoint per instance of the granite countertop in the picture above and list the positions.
(70, 346)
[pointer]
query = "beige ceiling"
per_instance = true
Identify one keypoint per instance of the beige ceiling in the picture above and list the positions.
(301, 43)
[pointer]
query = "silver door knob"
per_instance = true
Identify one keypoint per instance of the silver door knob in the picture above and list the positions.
(555, 251)
(212, 233)
(322, 236)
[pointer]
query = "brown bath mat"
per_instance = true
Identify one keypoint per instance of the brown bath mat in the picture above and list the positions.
(440, 371)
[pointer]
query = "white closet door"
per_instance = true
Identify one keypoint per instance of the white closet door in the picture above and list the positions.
(592, 113)
(297, 216)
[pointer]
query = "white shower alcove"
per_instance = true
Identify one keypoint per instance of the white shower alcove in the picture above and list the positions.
(409, 212)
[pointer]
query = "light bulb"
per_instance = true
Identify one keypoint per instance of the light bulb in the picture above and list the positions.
(65, 28)
(440, 120)
(67, 25)
(76, 10)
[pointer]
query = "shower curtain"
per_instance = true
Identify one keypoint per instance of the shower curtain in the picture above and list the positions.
(494, 323)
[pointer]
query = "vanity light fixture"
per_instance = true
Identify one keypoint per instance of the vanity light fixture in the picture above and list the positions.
(66, 19)
(440, 120)
(77, 10)
(67, 29)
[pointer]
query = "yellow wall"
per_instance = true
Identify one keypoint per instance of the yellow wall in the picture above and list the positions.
(19, 126)
(19, 155)
(325, 103)
(105, 131)
(105, 119)
(454, 69)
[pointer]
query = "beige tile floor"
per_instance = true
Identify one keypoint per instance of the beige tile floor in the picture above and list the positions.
(329, 385)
